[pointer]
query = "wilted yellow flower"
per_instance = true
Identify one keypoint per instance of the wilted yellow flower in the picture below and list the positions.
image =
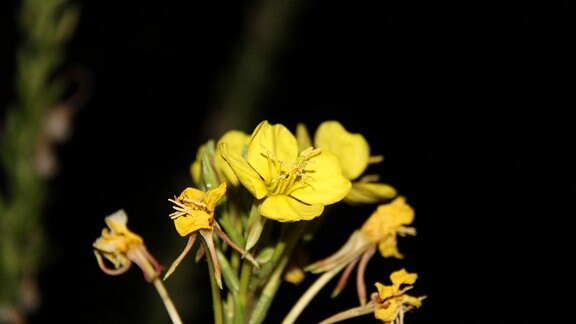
(392, 302)
(379, 230)
(121, 247)
(291, 185)
(195, 209)
(195, 214)
(386, 223)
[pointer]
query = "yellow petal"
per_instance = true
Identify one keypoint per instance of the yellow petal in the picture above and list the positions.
(195, 167)
(274, 141)
(411, 300)
(246, 175)
(369, 193)
(117, 222)
(303, 137)
(388, 247)
(326, 185)
(387, 218)
(214, 195)
(385, 291)
(237, 141)
(397, 212)
(352, 149)
(401, 277)
(192, 194)
(388, 313)
(189, 224)
(286, 209)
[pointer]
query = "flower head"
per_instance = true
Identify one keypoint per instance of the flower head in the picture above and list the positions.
(391, 302)
(237, 141)
(218, 169)
(195, 209)
(386, 223)
(291, 185)
(195, 214)
(379, 230)
(121, 247)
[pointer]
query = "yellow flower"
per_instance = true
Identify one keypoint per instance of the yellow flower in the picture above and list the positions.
(290, 185)
(392, 302)
(386, 223)
(195, 209)
(121, 247)
(195, 214)
(380, 229)
(353, 151)
(388, 305)
(237, 141)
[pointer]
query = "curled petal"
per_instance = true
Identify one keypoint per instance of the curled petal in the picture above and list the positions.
(245, 173)
(113, 272)
(237, 141)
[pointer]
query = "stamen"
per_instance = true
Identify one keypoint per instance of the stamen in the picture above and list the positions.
(195, 202)
(181, 209)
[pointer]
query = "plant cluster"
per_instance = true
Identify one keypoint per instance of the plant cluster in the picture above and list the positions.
(255, 202)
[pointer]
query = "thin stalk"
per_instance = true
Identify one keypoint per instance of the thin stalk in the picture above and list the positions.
(351, 313)
(216, 298)
(242, 300)
(310, 293)
(174, 316)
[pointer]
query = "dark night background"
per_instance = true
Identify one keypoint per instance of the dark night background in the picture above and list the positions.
(470, 105)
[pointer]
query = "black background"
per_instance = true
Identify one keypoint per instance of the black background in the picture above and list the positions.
(471, 105)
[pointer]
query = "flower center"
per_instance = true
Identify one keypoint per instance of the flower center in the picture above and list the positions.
(290, 176)
(185, 207)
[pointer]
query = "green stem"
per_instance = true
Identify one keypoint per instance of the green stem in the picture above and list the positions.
(216, 298)
(242, 300)
(271, 288)
(268, 293)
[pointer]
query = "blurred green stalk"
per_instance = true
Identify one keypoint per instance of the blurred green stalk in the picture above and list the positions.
(243, 85)
(45, 26)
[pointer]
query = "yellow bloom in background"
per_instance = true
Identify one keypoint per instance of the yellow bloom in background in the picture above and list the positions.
(380, 229)
(392, 302)
(209, 168)
(292, 185)
(386, 223)
(121, 247)
(353, 151)
(196, 166)
(237, 141)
